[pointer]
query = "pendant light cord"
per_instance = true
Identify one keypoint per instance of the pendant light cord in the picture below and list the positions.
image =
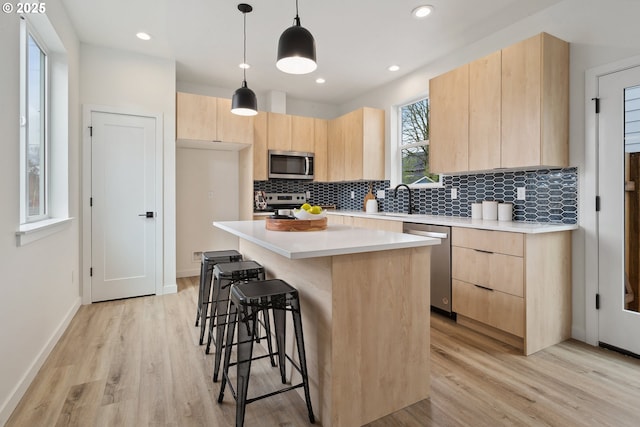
(296, 20)
(244, 47)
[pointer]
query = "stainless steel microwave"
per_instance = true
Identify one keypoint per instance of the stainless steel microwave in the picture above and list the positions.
(290, 165)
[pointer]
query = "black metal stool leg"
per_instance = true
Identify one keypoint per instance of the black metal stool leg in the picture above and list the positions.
(246, 335)
(267, 329)
(297, 326)
(200, 290)
(222, 307)
(231, 328)
(215, 296)
(280, 324)
(206, 296)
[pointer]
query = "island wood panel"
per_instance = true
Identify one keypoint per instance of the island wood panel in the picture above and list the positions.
(449, 121)
(485, 79)
(365, 356)
(380, 333)
(548, 290)
(320, 150)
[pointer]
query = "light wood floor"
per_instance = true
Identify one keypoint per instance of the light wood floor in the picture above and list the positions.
(137, 362)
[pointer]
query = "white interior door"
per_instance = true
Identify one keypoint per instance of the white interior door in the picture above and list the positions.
(123, 192)
(617, 326)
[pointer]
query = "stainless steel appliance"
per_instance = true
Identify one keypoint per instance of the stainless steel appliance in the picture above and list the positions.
(290, 165)
(282, 203)
(440, 264)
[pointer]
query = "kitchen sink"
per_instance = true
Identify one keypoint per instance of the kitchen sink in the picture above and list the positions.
(399, 214)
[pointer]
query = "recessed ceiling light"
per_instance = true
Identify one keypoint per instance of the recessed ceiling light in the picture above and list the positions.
(320, 80)
(422, 11)
(244, 65)
(393, 68)
(143, 36)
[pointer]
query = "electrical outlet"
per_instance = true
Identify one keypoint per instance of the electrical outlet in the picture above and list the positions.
(353, 194)
(454, 193)
(379, 194)
(210, 195)
(521, 193)
(196, 256)
(308, 194)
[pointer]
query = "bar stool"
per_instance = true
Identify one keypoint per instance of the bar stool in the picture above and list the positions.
(247, 300)
(224, 276)
(208, 260)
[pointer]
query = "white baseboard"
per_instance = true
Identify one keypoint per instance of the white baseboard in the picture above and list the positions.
(170, 289)
(21, 388)
(188, 273)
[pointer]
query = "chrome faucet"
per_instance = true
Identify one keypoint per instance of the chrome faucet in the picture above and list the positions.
(395, 195)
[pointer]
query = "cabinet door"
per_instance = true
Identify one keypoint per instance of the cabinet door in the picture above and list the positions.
(449, 121)
(500, 272)
(353, 148)
(260, 147)
(196, 117)
(485, 103)
(373, 144)
(320, 149)
(302, 134)
(232, 127)
(335, 150)
(521, 90)
(279, 131)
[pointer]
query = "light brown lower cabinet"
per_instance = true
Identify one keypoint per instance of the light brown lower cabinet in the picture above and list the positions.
(514, 287)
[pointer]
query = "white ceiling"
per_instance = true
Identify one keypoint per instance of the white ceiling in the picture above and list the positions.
(356, 40)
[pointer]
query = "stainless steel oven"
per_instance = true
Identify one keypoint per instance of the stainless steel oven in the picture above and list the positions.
(290, 165)
(440, 264)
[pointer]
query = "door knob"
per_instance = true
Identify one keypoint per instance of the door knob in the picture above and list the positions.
(147, 215)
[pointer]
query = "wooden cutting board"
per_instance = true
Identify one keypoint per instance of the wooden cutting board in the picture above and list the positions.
(369, 196)
(295, 224)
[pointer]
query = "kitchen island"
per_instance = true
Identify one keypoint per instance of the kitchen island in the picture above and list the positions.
(365, 308)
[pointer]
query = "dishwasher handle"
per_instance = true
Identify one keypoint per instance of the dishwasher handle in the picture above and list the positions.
(428, 234)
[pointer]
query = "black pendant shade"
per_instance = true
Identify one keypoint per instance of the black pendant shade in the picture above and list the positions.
(296, 49)
(244, 101)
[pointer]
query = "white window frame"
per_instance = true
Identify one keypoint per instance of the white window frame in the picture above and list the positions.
(27, 31)
(397, 151)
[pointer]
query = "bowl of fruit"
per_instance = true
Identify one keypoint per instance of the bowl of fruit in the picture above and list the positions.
(307, 211)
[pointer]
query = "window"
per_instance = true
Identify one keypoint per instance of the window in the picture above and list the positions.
(34, 128)
(413, 144)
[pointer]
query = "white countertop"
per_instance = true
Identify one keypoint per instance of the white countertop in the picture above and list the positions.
(453, 221)
(335, 240)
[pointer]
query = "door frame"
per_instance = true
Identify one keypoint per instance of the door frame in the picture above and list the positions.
(588, 216)
(85, 253)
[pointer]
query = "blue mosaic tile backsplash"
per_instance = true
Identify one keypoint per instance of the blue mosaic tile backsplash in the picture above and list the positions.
(551, 194)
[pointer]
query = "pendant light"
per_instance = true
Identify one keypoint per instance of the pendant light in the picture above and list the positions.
(296, 49)
(244, 102)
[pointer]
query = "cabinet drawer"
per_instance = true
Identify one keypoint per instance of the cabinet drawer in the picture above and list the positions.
(492, 241)
(496, 271)
(494, 308)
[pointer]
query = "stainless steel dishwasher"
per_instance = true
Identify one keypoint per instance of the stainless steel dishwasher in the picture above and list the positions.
(440, 264)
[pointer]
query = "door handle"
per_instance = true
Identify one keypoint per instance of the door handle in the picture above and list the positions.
(147, 215)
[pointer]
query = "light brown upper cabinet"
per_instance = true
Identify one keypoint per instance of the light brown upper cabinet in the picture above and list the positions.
(535, 103)
(356, 146)
(206, 118)
(290, 133)
(485, 79)
(449, 121)
(320, 149)
(279, 131)
(260, 147)
(509, 109)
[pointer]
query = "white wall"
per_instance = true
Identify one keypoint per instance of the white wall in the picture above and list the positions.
(207, 190)
(39, 292)
(600, 32)
(138, 83)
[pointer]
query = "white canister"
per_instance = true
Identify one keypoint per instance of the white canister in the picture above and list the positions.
(490, 210)
(505, 212)
(476, 210)
(371, 206)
